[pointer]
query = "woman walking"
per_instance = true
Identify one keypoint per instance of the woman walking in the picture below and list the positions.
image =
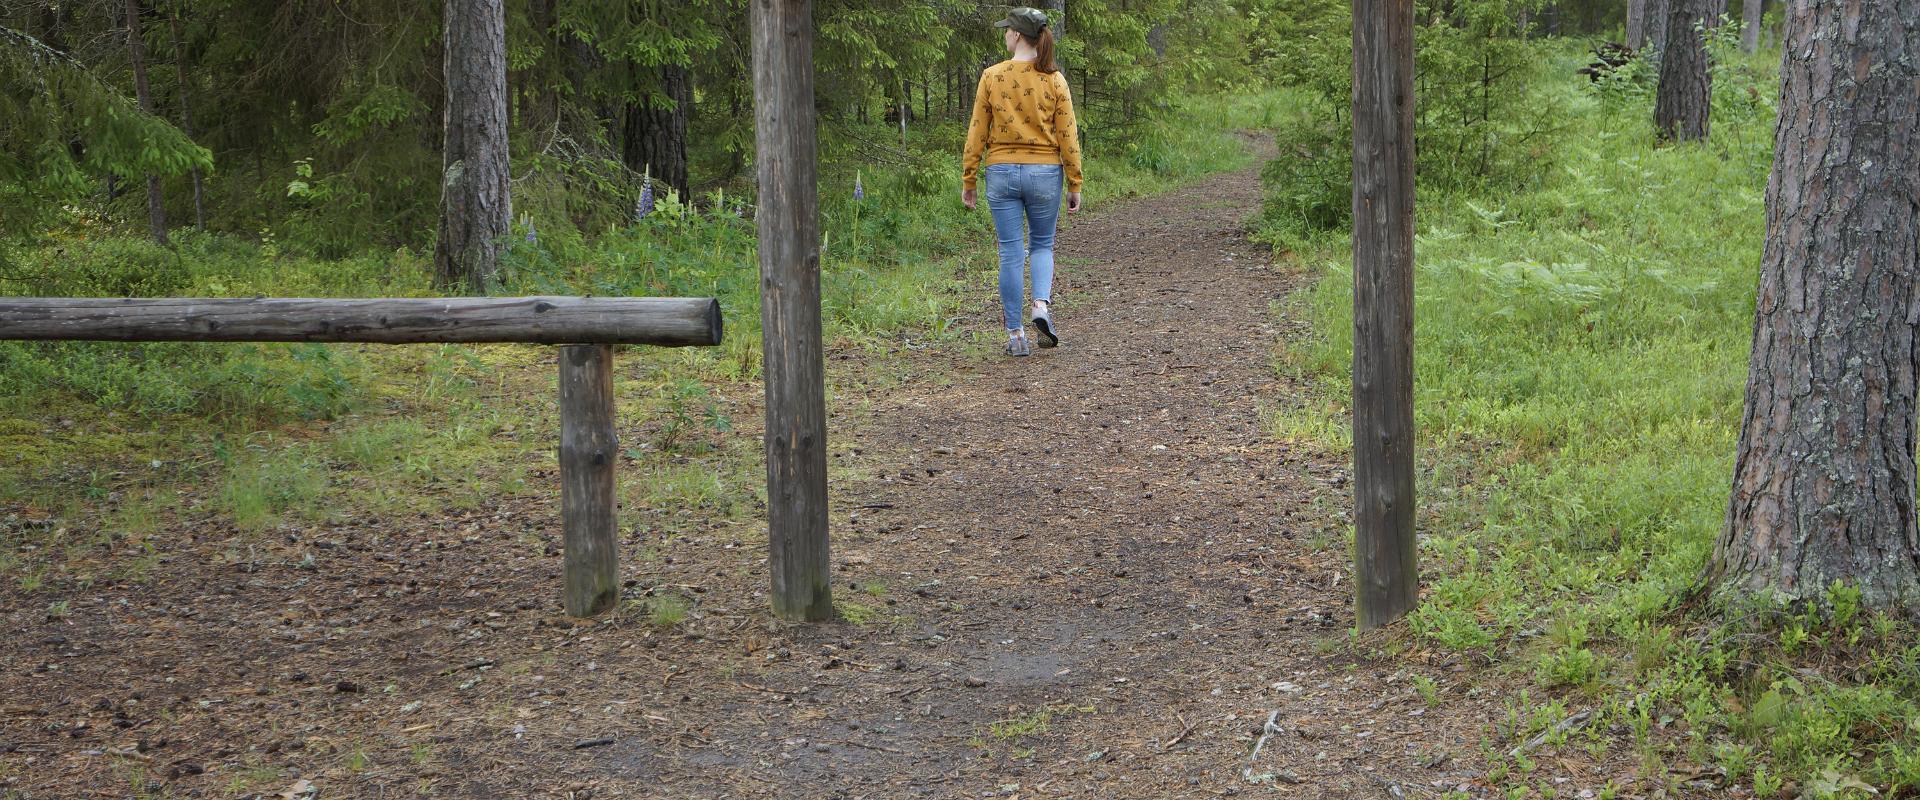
(1023, 124)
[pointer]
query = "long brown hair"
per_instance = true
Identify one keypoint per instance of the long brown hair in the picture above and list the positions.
(1043, 51)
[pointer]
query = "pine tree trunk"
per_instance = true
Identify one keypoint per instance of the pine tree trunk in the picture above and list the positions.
(655, 139)
(476, 207)
(582, 60)
(1636, 23)
(186, 121)
(1681, 108)
(137, 53)
(1057, 21)
(1750, 27)
(1656, 15)
(736, 110)
(543, 94)
(1824, 480)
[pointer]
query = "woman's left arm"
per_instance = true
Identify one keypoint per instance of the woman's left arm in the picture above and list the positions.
(976, 145)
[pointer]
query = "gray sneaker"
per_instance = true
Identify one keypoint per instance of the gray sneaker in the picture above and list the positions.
(1018, 347)
(1043, 322)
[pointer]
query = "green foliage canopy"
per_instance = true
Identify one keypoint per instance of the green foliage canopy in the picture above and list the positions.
(62, 131)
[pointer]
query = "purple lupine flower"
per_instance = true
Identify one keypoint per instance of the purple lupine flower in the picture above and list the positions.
(645, 205)
(859, 192)
(530, 236)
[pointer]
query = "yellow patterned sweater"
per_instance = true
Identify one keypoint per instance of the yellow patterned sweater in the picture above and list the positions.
(1022, 116)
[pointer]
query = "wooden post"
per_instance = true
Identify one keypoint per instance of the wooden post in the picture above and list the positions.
(587, 450)
(794, 367)
(1386, 580)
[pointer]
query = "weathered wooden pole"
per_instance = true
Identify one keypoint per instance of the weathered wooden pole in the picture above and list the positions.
(794, 370)
(588, 446)
(662, 321)
(1386, 579)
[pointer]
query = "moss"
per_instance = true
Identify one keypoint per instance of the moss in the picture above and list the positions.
(19, 427)
(29, 452)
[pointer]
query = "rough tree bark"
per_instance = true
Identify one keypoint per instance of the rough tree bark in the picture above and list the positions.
(1636, 23)
(655, 136)
(137, 54)
(1386, 575)
(476, 207)
(1680, 109)
(1750, 24)
(1656, 23)
(788, 220)
(1824, 479)
(186, 119)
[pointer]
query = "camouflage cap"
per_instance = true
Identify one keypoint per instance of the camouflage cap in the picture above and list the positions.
(1028, 21)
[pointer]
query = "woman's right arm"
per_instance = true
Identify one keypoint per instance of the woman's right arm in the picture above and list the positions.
(1066, 131)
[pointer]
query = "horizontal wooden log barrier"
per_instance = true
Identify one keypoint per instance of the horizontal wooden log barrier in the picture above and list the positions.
(663, 321)
(587, 325)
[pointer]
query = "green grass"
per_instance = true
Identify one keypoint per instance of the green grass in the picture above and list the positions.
(1017, 732)
(666, 611)
(1031, 724)
(1581, 345)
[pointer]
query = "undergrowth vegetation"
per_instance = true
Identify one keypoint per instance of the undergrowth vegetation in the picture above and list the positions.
(108, 443)
(1581, 345)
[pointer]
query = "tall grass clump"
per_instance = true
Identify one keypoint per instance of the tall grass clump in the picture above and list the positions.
(1581, 343)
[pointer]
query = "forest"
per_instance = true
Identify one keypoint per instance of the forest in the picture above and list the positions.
(1660, 370)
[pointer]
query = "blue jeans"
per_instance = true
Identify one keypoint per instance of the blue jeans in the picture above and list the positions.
(1029, 193)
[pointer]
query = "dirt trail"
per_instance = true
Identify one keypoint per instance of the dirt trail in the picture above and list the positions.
(1099, 538)
(1088, 573)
